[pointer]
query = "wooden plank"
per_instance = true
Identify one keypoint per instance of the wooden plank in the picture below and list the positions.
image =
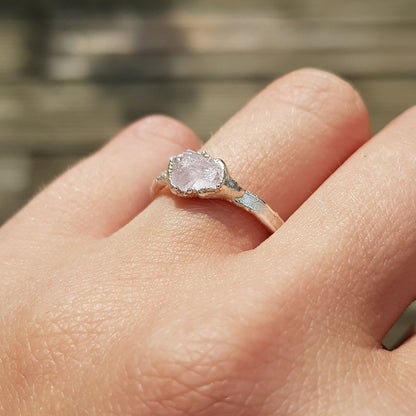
(47, 117)
(335, 9)
(13, 48)
(74, 118)
(368, 9)
(181, 45)
(207, 33)
(229, 66)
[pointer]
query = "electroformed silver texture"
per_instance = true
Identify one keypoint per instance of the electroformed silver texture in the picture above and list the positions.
(196, 174)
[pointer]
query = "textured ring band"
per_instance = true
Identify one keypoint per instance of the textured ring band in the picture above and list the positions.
(196, 174)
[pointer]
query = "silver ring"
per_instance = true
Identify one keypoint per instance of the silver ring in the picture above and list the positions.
(196, 174)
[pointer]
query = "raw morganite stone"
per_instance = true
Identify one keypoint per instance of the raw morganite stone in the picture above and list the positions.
(191, 171)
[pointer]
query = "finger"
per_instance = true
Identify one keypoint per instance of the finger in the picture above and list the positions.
(105, 191)
(353, 242)
(281, 146)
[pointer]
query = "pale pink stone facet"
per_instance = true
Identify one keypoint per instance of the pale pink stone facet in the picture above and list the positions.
(192, 171)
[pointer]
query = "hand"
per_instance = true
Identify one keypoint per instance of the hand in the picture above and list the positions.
(115, 305)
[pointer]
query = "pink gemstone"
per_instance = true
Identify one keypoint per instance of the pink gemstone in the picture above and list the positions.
(191, 171)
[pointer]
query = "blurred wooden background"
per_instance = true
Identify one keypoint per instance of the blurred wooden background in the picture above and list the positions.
(71, 76)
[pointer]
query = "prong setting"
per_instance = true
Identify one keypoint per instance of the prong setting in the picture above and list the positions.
(195, 173)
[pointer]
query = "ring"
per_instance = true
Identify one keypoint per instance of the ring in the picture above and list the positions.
(196, 174)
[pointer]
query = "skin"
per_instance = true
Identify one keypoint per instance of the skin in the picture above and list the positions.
(112, 304)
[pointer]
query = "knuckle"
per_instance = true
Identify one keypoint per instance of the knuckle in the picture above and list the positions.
(155, 121)
(321, 93)
(317, 82)
(161, 127)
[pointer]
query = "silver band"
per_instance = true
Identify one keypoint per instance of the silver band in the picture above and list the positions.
(260, 209)
(227, 189)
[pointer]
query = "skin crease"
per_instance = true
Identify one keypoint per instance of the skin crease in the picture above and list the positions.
(111, 304)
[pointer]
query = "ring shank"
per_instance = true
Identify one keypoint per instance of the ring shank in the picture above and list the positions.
(260, 209)
(231, 192)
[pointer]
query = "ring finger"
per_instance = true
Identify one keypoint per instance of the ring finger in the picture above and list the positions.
(281, 146)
